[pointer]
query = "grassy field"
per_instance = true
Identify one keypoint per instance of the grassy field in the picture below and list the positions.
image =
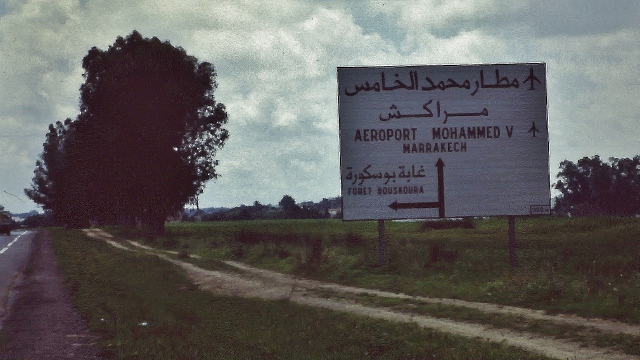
(585, 266)
(145, 308)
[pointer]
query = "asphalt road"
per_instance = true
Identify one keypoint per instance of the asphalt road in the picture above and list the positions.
(14, 256)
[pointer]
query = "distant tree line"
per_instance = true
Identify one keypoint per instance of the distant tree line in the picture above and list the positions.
(287, 209)
(593, 187)
(143, 144)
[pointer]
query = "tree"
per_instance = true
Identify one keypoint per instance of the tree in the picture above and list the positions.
(289, 206)
(43, 189)
(626, 185)
(592, 187)
(53, 185)
(144, 142)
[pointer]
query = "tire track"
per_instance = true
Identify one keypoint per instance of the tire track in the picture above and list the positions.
(270, 285)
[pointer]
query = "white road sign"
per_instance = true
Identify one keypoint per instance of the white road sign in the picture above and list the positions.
(443, 141)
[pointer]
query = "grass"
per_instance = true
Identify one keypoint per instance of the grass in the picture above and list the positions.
(584, 266)
(586, 336)
(142, 307)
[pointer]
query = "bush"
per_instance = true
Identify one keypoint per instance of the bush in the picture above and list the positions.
(311, 256)
(314, 245)
(466, 223)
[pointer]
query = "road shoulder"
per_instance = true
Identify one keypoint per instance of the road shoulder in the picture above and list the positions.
(43, 322)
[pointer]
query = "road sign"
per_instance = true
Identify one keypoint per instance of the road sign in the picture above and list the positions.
(443, 141)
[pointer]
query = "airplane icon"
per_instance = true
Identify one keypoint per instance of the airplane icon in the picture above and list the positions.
(533, 129)
(531, 79)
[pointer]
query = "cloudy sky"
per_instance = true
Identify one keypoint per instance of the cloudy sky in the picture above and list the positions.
(276, 64)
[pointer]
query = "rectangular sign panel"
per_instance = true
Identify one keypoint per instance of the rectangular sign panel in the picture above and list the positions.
(443, 141)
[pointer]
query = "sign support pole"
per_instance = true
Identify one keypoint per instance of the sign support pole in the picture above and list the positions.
(381, 244)
(512, 242)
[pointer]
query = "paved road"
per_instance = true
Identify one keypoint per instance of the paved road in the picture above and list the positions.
(14, 256)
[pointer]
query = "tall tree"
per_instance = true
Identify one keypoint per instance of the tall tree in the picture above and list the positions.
(54, 185)
(149, 127)
(48, 167)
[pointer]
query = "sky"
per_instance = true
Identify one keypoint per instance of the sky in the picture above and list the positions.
(277, 74)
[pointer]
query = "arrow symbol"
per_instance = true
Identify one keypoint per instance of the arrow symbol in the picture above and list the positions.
(440, 166)
(427, 205)
(414, 205)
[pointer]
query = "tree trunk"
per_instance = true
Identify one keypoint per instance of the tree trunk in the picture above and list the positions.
(154, 224)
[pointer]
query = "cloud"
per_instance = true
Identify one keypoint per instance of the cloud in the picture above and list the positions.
(276, 65)
(592, 93)
(283, 111)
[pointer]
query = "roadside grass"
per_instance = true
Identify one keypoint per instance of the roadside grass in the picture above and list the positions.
(584, 266)
(143, 307)
(586, 336)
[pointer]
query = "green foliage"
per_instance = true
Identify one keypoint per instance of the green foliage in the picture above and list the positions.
(287, 209)
(289, 206)
(55, 184)
(593, 187)
(144, 141)
(293, 211)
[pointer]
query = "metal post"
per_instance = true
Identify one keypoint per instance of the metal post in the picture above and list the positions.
(381, 245)
(512, 242)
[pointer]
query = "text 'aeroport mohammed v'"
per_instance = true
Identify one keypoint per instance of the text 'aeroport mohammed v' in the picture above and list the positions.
(409, 136)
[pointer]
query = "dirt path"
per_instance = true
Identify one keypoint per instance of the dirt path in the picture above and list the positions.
(260, 283)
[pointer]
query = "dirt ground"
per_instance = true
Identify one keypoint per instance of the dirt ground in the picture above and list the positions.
(43, 323)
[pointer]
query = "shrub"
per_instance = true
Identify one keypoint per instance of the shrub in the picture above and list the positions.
(311, 255)
(314, 244)
(465, 223)
(355, 240)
